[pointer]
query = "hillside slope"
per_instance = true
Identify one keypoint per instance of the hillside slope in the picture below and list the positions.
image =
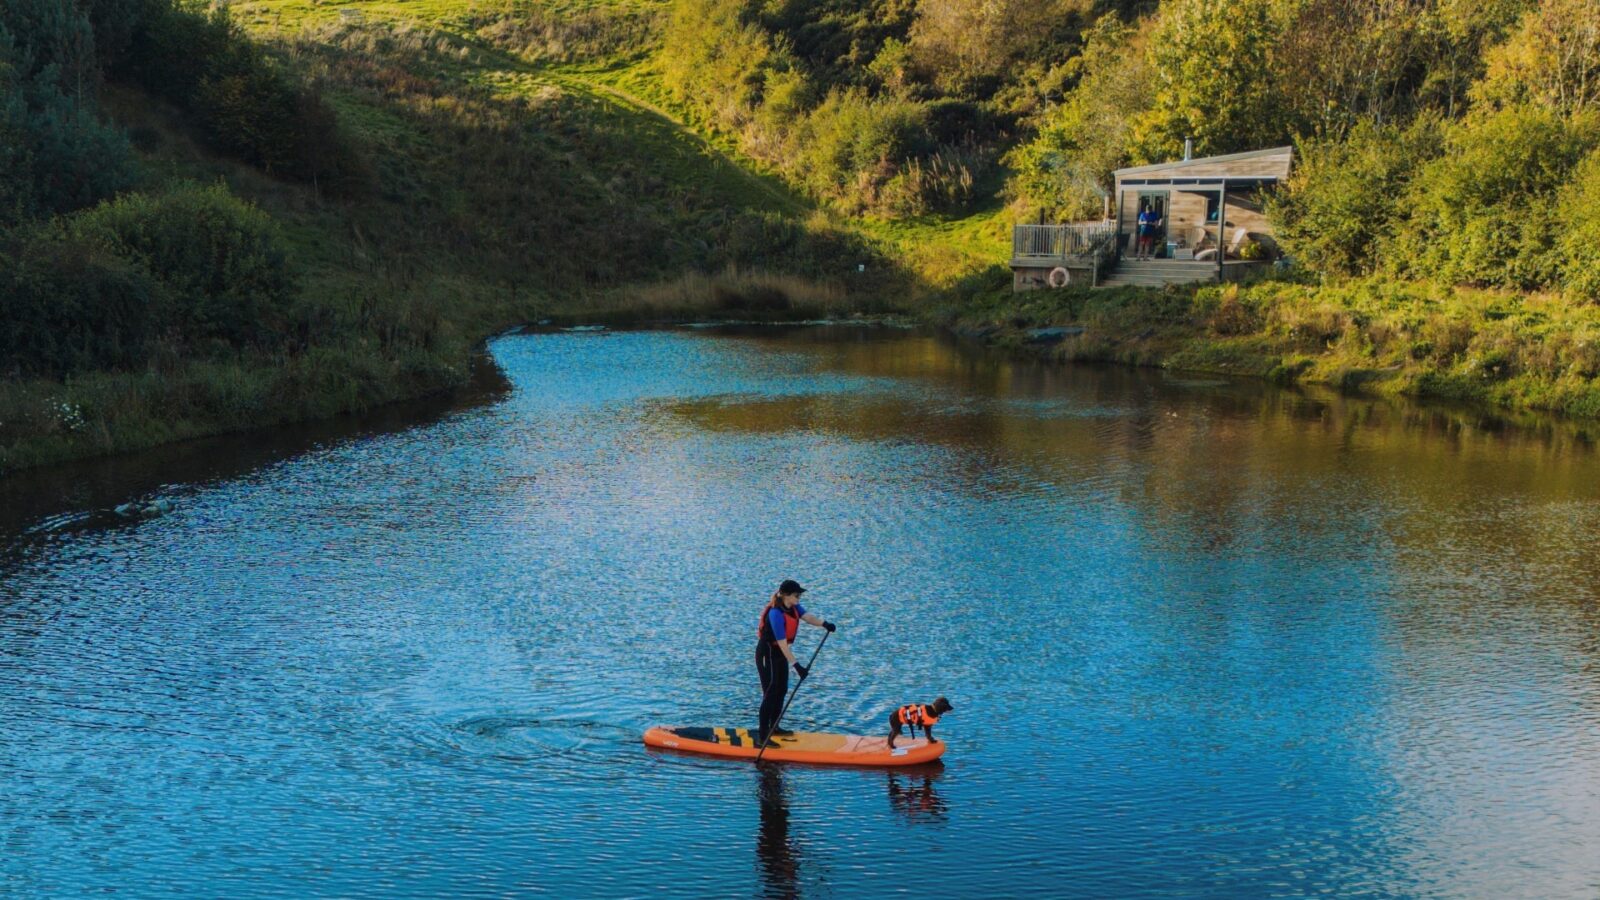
(498, 190)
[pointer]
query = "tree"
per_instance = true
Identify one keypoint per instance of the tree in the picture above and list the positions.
(1456, 33)
(1342, 61)
(55, 154)
(16, 163)
(962, 42)
(1343, 203)
(1066, 168)
(1553, 58)
(1211, 64)
(53, 44)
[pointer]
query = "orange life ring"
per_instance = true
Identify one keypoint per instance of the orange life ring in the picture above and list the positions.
(1066, 277)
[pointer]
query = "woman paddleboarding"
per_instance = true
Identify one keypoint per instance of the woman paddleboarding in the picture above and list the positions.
(780, 622)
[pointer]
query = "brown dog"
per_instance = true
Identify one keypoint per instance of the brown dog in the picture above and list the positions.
(913, 714)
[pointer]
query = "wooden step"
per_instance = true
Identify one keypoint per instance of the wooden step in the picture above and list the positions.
(1159, 272)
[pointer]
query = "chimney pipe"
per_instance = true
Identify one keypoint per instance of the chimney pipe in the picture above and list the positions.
(1188, 148)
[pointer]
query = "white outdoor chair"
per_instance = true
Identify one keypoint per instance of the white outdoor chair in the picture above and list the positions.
(1239, 237)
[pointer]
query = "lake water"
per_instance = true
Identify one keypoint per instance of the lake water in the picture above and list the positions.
(1204, 639)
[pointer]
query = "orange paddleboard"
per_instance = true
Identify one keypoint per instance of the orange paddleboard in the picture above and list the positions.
(802, 746)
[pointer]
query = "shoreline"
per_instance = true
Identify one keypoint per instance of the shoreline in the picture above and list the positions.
(1496, 353)
(1053, 328)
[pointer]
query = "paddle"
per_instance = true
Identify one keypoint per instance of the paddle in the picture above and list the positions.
(768, 742)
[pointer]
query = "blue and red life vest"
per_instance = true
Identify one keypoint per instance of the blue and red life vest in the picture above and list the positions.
(791, 623)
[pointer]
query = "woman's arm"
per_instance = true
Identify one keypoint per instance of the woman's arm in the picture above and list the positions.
(817, 621)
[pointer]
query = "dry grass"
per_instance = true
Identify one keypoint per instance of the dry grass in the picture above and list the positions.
(731, 294)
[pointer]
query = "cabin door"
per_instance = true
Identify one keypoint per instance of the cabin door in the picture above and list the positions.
(1156, 201)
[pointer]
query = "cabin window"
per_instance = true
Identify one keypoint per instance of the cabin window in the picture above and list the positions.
(1213, 206)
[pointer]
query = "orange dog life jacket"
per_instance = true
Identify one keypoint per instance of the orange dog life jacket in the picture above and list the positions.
(917, 714)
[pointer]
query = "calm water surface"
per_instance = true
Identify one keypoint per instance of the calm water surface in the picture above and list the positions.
(1204, 640)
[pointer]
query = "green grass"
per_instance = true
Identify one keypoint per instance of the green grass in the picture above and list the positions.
(937, 250)
(1494, 349)
(508, 189)
(1505, 350)
(568, 182)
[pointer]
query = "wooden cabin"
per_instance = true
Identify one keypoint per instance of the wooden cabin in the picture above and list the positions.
(1203, 204)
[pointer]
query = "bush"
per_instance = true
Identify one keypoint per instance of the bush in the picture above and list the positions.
(222, 260)
(1580, 235)
(849, 146)
(70, 306)
(203, 62)
(540, 32)
(1342, 203)
(1481, 213)
(716, 61)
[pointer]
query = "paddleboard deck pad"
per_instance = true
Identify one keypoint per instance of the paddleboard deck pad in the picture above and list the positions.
(801, 747)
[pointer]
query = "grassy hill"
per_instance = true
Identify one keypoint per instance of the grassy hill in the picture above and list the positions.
(500, 186)
(214, 219)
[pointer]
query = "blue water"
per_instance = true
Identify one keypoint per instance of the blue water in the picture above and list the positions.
(1204, 639)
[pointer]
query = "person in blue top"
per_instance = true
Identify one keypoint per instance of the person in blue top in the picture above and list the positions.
(1149, 221)
(780, 622)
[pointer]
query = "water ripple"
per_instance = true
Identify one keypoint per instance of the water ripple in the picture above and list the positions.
(1205, 639)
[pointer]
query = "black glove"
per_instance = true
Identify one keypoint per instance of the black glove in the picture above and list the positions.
(829, 627)
(802, 671)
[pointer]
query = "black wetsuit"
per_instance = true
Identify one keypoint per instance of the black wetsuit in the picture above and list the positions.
(774, 671)
(771, 664)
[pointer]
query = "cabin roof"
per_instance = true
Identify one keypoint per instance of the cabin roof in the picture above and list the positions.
(1273, 164)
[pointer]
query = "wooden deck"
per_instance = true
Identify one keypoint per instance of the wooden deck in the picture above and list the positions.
(1083, 249)
(1037, 244)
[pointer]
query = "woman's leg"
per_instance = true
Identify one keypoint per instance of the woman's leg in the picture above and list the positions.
(774, 684)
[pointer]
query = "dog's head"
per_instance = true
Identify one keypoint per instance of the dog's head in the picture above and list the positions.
(941, 706)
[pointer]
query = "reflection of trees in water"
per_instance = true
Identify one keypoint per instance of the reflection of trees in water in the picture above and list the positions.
(776, 853)
(1245, 514)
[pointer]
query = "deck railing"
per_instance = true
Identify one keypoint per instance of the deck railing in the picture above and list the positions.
(1078, 240)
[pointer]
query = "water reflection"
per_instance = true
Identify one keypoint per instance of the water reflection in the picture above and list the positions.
(777, 854)
(913, 795)
(1311, 645)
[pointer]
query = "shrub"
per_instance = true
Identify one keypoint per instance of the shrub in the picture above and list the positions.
(1480, 213)
(1342, 203)
(222, 260)
(204, 62)
(849, 146)
(716, 61)
(540, 32)
(69, 305)
(1580, 230)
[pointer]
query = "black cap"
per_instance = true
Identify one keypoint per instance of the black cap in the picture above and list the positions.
(790, 586)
